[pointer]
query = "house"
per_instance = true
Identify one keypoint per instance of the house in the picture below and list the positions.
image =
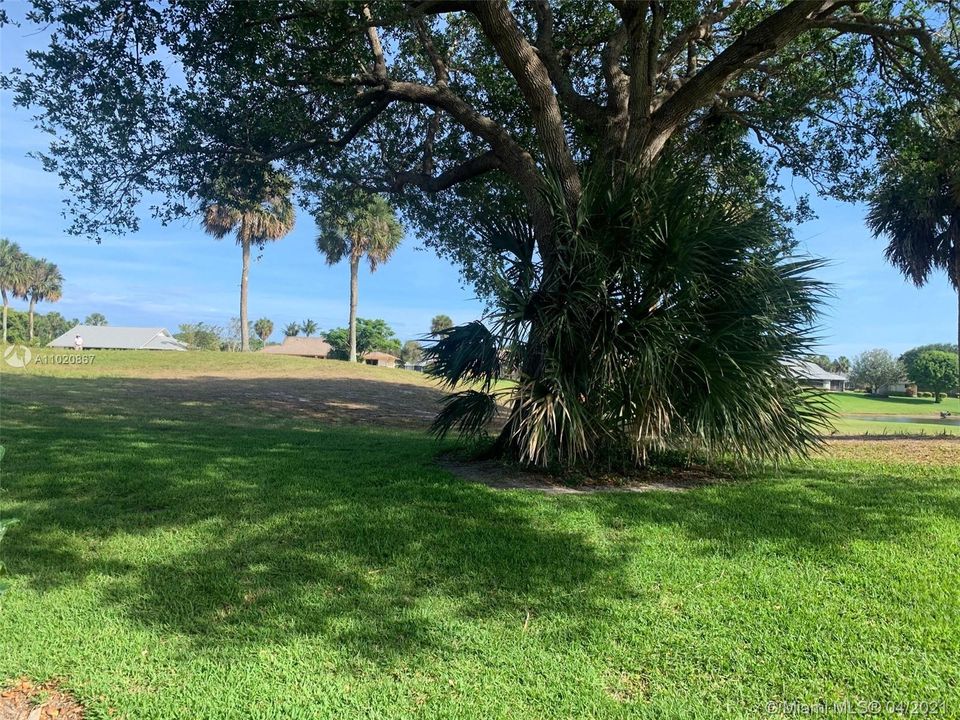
(381, 358)
(110, 337)
(315, 347)
(904, 387)
(418, 366)
(812, 375)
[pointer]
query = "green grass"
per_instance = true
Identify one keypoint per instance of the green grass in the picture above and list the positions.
(176, 559)
(862, 404)
(145, 363)
(849, 403)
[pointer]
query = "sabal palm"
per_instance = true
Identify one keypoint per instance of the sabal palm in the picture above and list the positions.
(13, 266)
(667, 298)
(43, 282)
(254, 223)
(357, 226)
(263, 328)
(917, 203)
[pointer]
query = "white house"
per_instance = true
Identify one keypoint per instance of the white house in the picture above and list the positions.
(108, 337)
(812, 375)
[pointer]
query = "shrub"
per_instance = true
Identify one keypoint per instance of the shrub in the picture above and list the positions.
(664, 320)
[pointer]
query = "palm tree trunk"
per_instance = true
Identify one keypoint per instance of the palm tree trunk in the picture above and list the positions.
(354, 272)
(244, 276)
(5, 308)
(32, 304)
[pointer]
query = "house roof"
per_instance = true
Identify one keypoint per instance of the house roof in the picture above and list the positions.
(806, 370)
(109, 337)
(303, 346)
(380, 356)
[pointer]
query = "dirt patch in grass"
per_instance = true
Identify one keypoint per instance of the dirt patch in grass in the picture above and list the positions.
(25, 700)
(372, 402)
(502, 476)
(927, 451)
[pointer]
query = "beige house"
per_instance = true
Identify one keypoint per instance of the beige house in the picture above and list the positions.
(381, 358)
(315, 347)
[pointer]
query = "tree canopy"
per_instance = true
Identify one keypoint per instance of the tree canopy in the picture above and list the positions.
(909, 358)
(875, 369)
(439, 323)
(936, 370)
(371, 335)
(480, 102)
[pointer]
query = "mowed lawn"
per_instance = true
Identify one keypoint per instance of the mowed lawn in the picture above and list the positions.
(861, 414)
(271, 538)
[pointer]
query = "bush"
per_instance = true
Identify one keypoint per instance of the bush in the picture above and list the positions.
(925, 394)
(665, 321)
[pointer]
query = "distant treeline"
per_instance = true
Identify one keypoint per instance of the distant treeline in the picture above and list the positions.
(46, 327)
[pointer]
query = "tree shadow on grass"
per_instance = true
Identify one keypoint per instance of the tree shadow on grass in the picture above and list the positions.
(249, 530)
(813, 511)
(234, 535)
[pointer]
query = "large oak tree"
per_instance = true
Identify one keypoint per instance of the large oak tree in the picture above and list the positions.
(482, 99)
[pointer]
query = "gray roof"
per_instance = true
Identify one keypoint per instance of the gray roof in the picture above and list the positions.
(108, 337)
(811, 371)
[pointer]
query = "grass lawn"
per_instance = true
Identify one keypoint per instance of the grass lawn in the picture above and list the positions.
(271, 539)
(885, 416)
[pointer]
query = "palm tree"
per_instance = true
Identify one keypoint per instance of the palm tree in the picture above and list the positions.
(309, 327)
(291, 330)
(13, 265)
(263, 328)
(917, 202)
(439, 323)
(267, 219)
(359, 225)
(95, 319)
(43, 282)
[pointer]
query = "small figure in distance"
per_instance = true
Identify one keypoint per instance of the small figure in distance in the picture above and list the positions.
(78, 343)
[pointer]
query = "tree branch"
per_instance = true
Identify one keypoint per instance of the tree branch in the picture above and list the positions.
(769, 35)
(892, 34)
(698, 30)
(532, 78)
(472, 168)
(582, 106)
(373, 37)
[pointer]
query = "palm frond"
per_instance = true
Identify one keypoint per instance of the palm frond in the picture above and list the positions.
(468, 412)
(465, 354)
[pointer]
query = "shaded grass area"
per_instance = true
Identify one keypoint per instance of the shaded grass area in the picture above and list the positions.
(226, 559)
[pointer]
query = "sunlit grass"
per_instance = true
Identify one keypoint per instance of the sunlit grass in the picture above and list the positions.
(190, 553)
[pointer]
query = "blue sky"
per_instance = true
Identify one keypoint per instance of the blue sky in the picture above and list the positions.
(166, 276)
